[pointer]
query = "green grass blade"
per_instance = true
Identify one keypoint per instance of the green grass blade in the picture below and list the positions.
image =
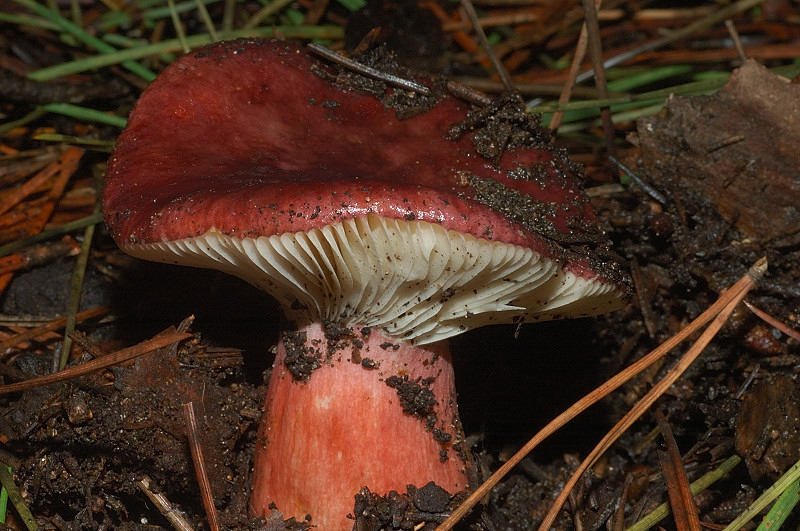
(4, 503)
(178, 26)
(206, 18)
(353, 5)
(620, 114)
(78, 276)
(81, 35)
(174, 46)
(16, 498)
(77, 224)
(704, 86)
(696, 87)
(156, 13)
(27, 20)
(85, 113)
(782, 508)
(648, 76)
(662, 511)
(105, 146)
(266, 11)
(28, 118)
(121, 41)
(776, 489)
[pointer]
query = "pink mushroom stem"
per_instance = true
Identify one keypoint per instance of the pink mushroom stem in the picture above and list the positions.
(372, 408)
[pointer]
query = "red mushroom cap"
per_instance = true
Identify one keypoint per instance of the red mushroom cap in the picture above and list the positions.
(241, 141)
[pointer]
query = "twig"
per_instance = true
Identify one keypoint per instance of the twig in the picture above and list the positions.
(566, 92)
(642, 294)
(596, 53)
(76, 284)
(87, 345)
(166, 507)
(31, 185)
(368, 71)
(737, 42)
(469, 9)
(160, 341)
(52, 326)
(460, 36)
(47, 234)
(767, 318)
(684, 509)
(652, 192)
(38, 255)
(200, 466)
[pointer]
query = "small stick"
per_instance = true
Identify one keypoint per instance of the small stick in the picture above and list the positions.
(76, 285)
(737, 42)
(642, 294)
(52, 326)
(86, 344)
(166, 507)
(160, 341)
(652, 192)
(368, 71)
(725, 142)
(200, 466)
(29, 187)
(21, 243)
(38, 255)
(461, 38)
(469, 9)
(684, 508)
(767, 318)
(566, 93)
(596, 54)
(468, 93)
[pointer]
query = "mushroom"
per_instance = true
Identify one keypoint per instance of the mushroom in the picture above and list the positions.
(381, 238)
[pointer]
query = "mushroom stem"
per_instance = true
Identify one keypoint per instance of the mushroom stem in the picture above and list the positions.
(352, 408)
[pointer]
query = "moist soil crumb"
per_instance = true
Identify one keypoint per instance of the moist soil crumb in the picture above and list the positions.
(415, 397)
(421, 508)
(301, 360)
(418, 400)
(341, 337)
(501, 125)
(336, 331)
(404, 103)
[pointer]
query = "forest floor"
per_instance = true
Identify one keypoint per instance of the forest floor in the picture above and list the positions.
(715, 189)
